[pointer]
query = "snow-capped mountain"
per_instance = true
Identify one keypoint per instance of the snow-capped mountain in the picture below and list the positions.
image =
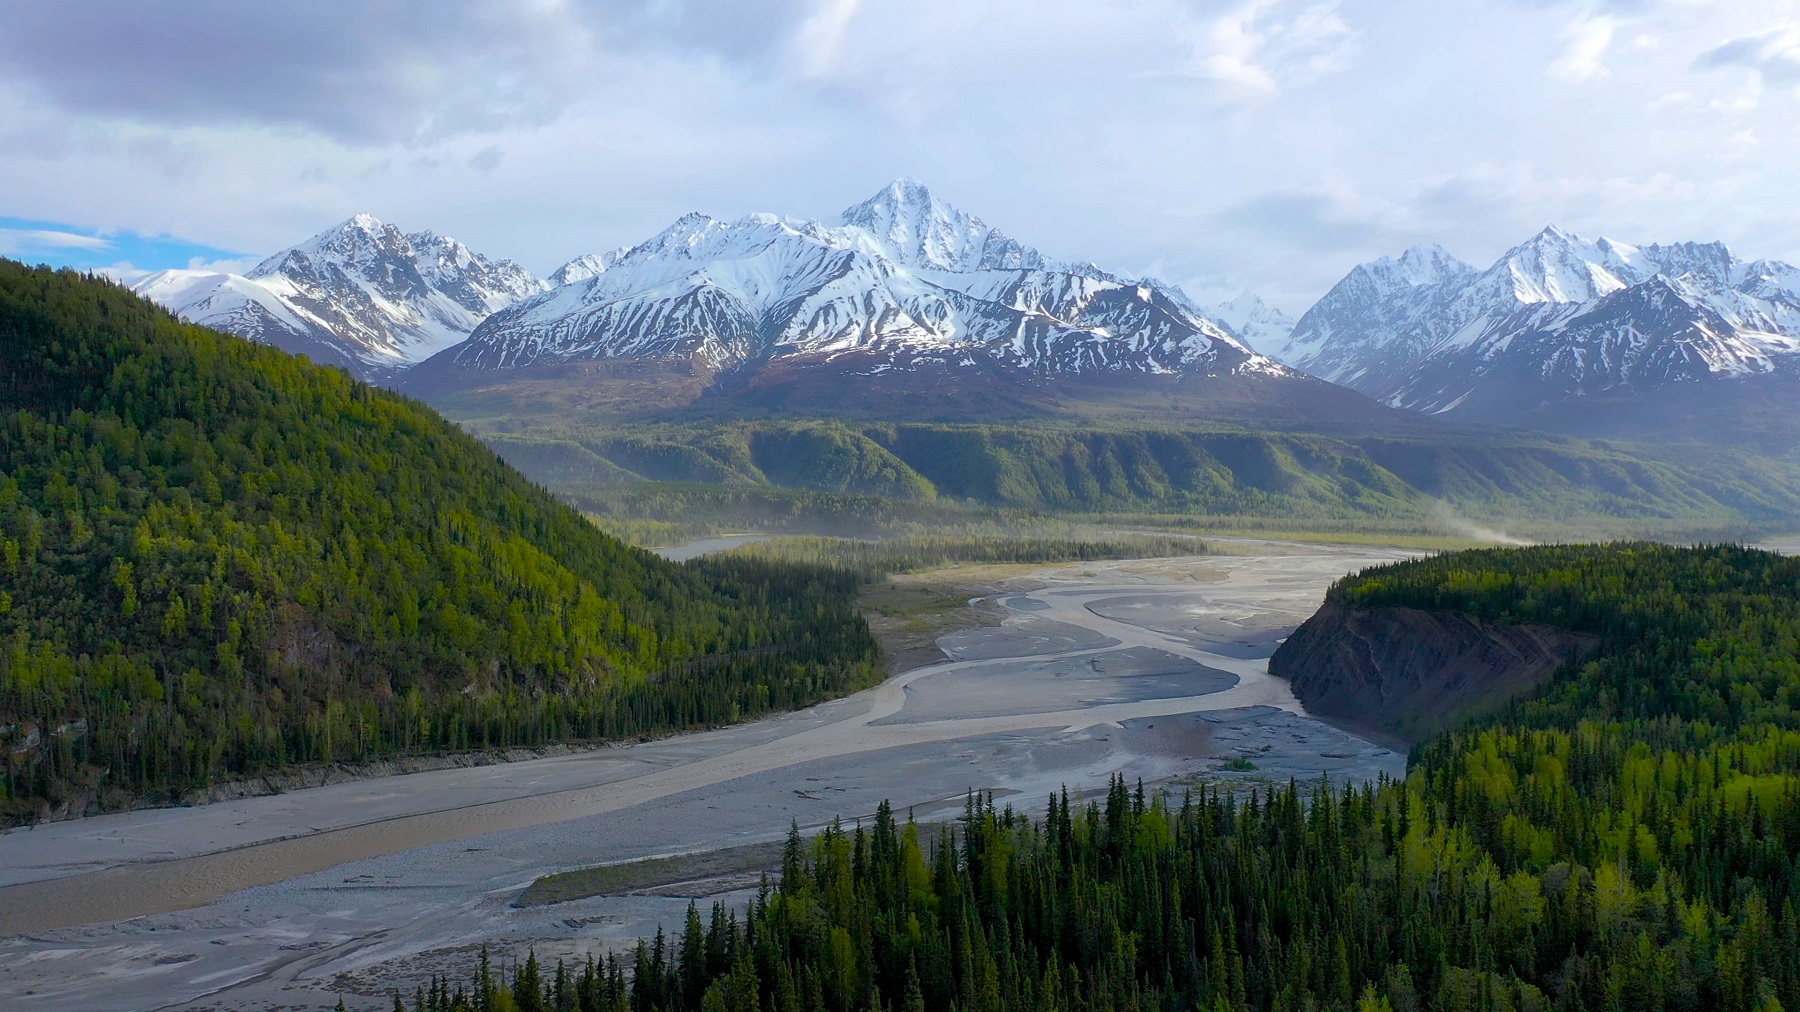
(362, 295)
(907, 225)
(1380, 313)
(1261, 326)
(1556, 318)
(902, 282)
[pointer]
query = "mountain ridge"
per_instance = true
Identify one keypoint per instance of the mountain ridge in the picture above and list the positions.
(903, 277)
(361, 295)
(904, 292)
(1554, 320)
(907, 304)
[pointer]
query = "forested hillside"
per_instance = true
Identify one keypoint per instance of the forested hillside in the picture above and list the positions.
(1628, 838)
(219, 559)
(1193, 469)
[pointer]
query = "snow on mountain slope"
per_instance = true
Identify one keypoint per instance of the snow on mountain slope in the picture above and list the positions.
(1381, 310)
(1555, 318)
(903, 280)
(362, 295)
(249, 309)
(906, 224)
(583, 267)
(1258, 324)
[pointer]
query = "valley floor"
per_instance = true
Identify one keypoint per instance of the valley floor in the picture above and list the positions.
(1154, 669)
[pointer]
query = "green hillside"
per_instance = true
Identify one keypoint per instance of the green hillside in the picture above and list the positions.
(219, 559)
(1194, 471)
(1627, 839)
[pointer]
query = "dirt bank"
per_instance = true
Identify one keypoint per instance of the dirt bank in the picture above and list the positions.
(1406, 674)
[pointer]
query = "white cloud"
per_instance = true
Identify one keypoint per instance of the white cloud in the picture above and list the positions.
(1261, 144)
(1739, 102)
(1264, 47)
(818, 43)
(408, 70)
(1585, 42)
(1773, 54)
(22, 241)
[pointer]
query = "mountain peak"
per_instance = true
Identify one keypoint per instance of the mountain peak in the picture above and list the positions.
(1425, 252)
(687, 227)
(1416, 267)
(902, 192)
(911, 226)
(1554, 236)
(904, 282)
(357, 239)
(908, 189)
(357, 230)
(362, 221)
(905, 197)
(362, 294)
(914, 228)
(1557, 316)
(1560, 266)
(1430, 264)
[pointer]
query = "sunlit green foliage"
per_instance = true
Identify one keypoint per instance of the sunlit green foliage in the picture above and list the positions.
(1629, 838)
(216, 559)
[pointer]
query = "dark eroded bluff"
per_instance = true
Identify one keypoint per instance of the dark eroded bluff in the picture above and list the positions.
(1405, 673)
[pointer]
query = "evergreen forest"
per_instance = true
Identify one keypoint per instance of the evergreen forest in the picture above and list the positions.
(1626, 838)
(218, 560)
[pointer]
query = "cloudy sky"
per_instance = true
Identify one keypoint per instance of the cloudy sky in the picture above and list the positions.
(1229, 145)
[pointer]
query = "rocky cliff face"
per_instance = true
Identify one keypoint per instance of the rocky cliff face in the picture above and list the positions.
(1408, 674)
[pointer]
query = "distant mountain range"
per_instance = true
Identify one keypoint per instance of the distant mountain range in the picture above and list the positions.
(907, 304)
(904, 282)
(362, 295)
(1557, 325)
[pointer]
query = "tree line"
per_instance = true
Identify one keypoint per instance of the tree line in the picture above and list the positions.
(1626, 838)
(874, 559)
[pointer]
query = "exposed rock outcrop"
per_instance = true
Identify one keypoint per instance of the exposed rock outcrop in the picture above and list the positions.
(1407, 674)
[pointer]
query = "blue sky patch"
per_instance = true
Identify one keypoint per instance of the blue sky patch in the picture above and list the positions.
(60, 245)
